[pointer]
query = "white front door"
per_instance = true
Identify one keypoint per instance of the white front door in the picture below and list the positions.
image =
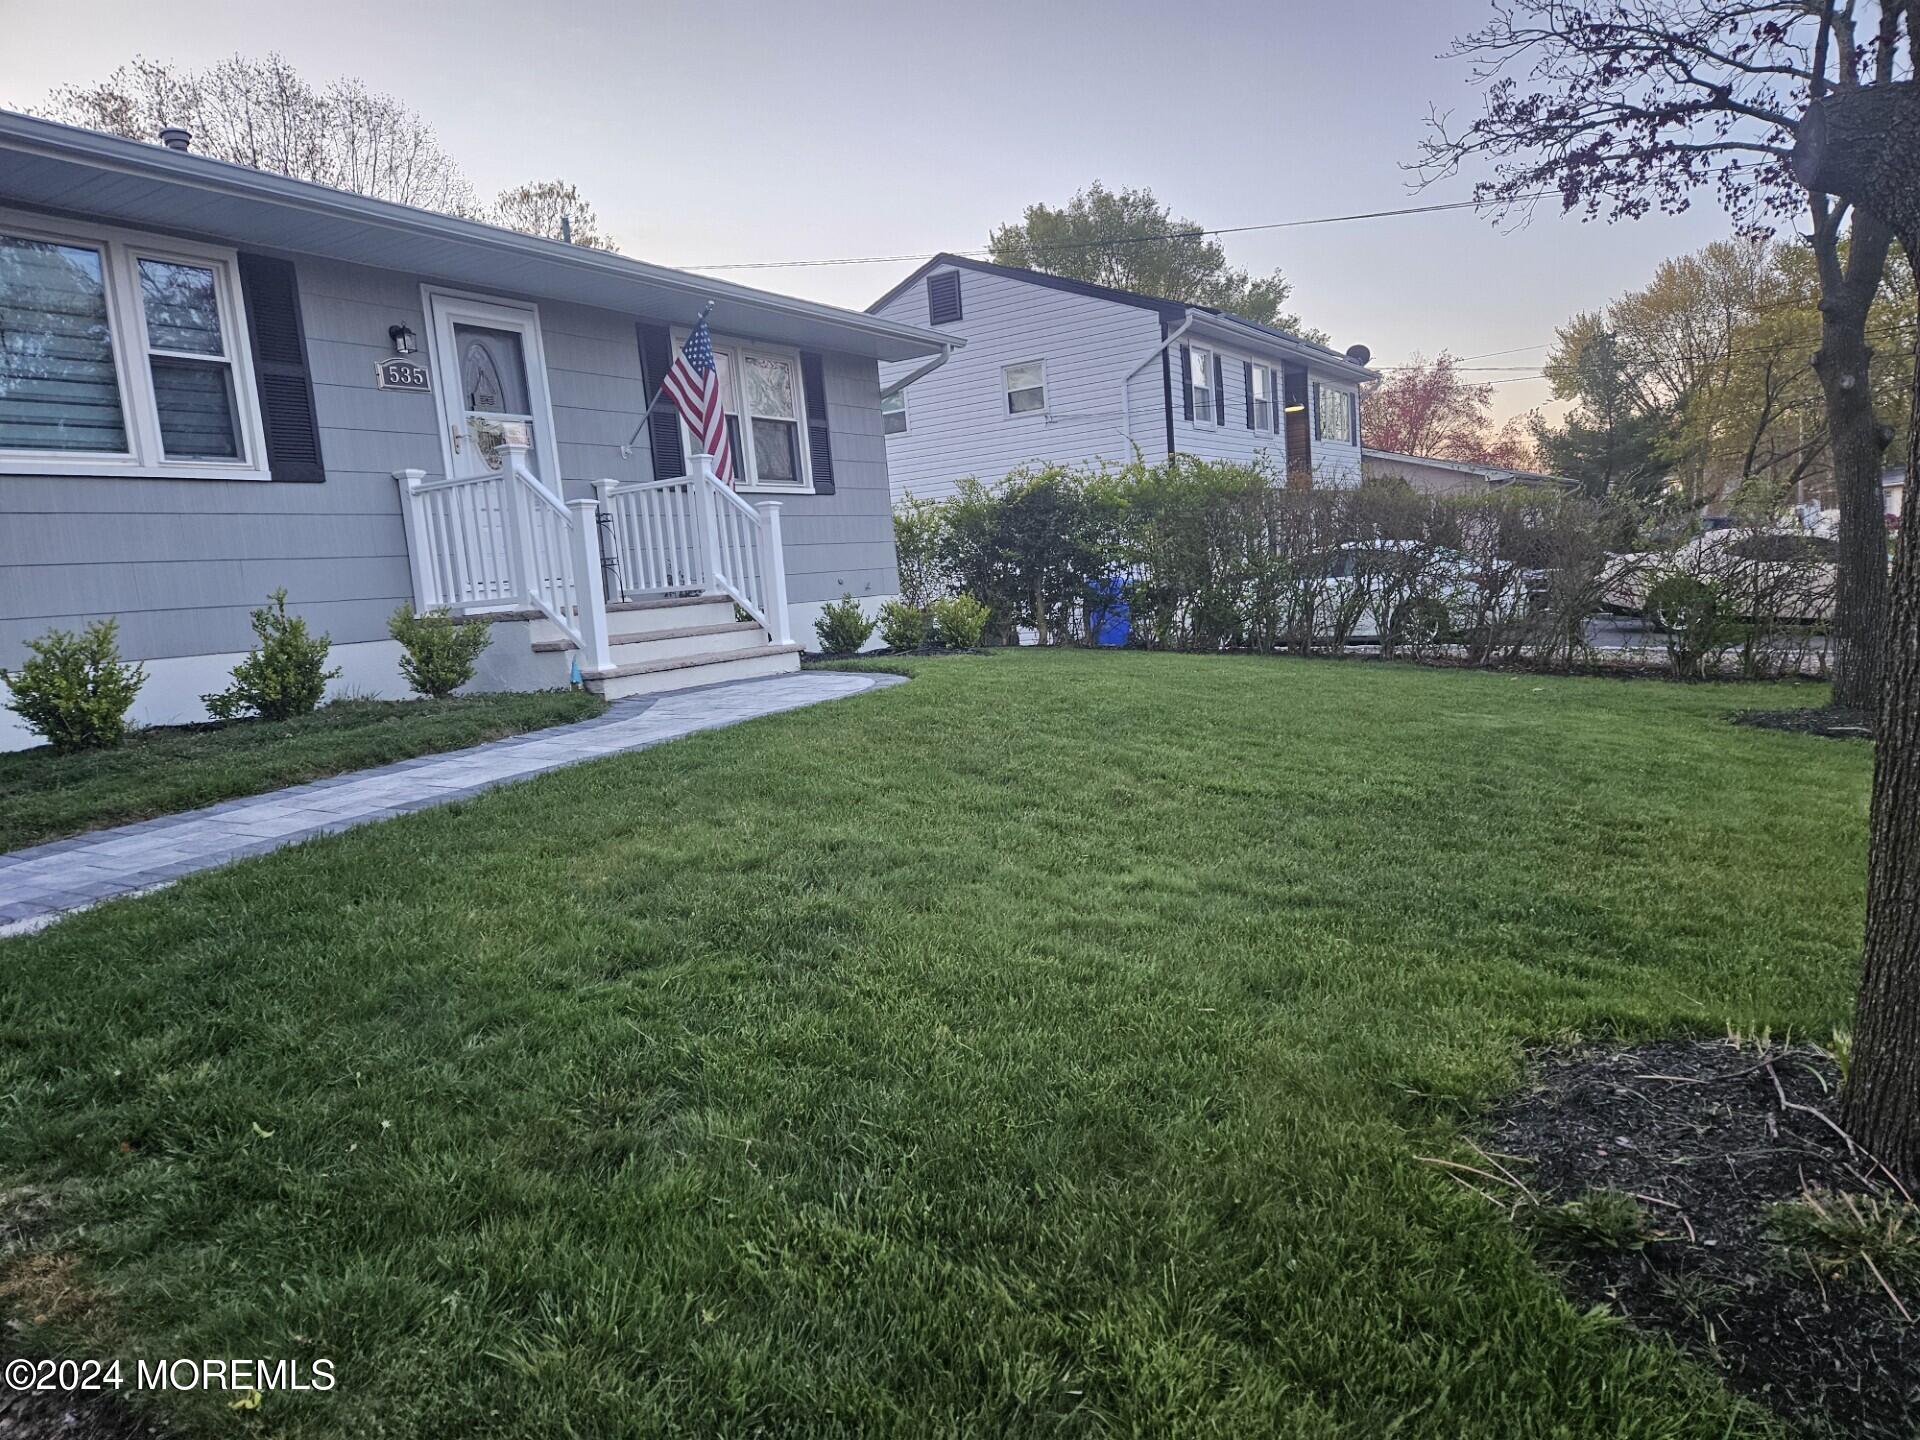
(491, 373)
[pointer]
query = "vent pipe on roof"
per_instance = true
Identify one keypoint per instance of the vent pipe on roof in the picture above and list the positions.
(176, 137)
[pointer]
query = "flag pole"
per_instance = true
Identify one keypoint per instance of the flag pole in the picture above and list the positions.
(660, 389)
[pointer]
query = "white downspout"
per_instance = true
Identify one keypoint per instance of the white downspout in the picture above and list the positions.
(925, 370)
(1126, 383)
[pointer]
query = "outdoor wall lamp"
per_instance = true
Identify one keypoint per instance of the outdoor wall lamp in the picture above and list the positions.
(403, 339)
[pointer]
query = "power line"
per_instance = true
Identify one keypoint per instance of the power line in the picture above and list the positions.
(1194, 234)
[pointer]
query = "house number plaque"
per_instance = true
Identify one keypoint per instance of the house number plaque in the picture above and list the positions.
(399, 373)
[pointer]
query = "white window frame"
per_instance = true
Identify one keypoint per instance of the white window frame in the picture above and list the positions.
(745, 465)
(1262, 395)
(1007, 412)
(1321, 388)
(898, 401)
(1200, 379)
(120, 252)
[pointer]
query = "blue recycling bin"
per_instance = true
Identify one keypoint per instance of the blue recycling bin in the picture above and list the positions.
(1113, 624)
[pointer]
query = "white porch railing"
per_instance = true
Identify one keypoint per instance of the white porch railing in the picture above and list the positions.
(505, 541)
(696, 534)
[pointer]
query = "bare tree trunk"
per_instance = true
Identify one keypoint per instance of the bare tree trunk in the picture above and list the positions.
(1865, 145)
(1883, 1084)
(1859, 441)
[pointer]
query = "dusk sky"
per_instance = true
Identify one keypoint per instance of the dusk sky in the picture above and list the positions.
(709, 133)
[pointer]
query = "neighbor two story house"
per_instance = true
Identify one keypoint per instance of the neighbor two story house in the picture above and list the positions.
(216, 382)
(1062, 371)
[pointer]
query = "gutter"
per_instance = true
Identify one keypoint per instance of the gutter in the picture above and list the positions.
(946, 354)
(1300, 351)
(1126, 381)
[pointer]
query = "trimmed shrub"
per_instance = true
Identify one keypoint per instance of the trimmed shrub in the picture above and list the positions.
(283, 676)
(1689, 611)
(843, 627)
(74, 692)
(440, 650)
(959, 621)
(904, 626)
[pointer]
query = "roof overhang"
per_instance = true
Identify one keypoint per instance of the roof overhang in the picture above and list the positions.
(1228, 330)
(1494, 475)
(64, 170)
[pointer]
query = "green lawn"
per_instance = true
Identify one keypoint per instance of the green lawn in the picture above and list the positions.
(1039, 1048)
(44, 796)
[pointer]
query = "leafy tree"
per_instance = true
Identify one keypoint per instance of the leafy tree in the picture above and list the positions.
(554, 209)
(1427, 407)
(1612, 438)
(1129, 240)
(1622, 107)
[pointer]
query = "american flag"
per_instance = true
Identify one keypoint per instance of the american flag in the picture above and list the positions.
(693, 384)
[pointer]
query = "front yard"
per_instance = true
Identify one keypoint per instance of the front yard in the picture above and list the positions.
(1042, 1047)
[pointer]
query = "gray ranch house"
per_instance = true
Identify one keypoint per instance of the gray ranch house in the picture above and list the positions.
(216, 382)
(1062, 371)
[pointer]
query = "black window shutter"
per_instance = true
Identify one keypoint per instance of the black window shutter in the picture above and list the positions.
(1247, 365)
(1219, 390)
(663, 421)
(1186, 377)
(943, 297)
(1275, 387)
(280, 372)
(1354, 429)
(813, 385)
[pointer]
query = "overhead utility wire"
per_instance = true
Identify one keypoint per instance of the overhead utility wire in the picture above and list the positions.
(1192, 234)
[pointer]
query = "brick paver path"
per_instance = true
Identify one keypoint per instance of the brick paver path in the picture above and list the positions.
(40, 884)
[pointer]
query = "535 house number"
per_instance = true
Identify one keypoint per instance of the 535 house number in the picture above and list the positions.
(399, 373)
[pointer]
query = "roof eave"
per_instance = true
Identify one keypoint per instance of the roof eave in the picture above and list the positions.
(1249, 335)
(33, 136)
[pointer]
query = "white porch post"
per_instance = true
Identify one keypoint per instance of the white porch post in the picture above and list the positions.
(704, 480)
(426, 584)
(591, 604)
(775, 572)
(513, 459)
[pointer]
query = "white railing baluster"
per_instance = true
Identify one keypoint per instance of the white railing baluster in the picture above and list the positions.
(695, 533)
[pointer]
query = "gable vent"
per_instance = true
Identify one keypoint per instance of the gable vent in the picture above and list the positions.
(943, 297)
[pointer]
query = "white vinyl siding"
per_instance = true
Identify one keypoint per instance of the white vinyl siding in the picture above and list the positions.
(1228, 438)
(960, 426)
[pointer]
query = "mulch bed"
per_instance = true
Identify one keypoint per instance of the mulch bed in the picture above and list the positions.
(1708, 1136)
(1830, 721)
(100, 1415)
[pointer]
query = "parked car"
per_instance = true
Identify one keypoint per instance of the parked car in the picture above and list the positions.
(1431, 592)
(1775, 575)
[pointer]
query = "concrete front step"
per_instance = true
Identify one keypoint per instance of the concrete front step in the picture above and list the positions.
(685, 672)
(721, 637)
(631, 617)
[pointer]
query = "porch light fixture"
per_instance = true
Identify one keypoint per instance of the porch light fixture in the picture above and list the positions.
(403, 339)
(1295, 409)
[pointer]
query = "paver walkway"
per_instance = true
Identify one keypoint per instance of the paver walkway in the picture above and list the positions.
(40, 884)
